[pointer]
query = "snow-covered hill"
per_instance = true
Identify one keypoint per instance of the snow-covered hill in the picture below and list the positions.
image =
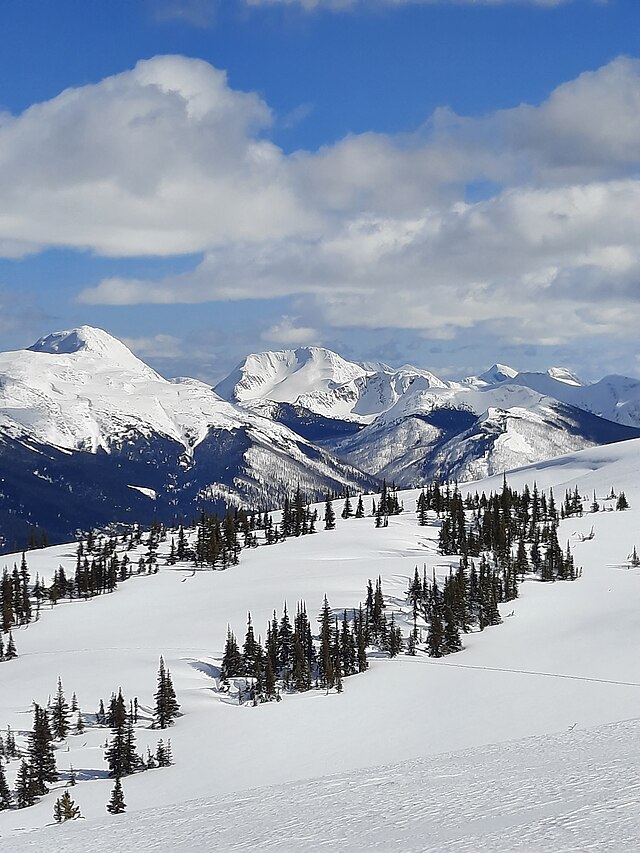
(528, 739)
(85, 426)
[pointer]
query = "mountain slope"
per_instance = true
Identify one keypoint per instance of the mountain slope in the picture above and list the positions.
(472, 432)
(518, 742)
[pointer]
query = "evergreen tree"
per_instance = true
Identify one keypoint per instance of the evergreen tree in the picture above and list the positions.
(435, 635)
(347, 510)
(10, 652)
(79, 727)
(329, 514)
(41, 758)
(5, 793)
(121, 753)
(360, 508)
(60, 714)
(116, 804)
(451, 639)
(622, 503)
(65, 809)
(25, 787)
(167, 707)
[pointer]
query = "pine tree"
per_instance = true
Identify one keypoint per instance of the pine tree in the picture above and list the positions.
(65, 809)
(79, 727)
(25, 786)
(116, 804)
(121, 752)
(10, 652)
(329, 514)
(60, 714)
(41, 758)
(360, 508)
(167, 706)
(435, 635)
(5, 793)
(347, 510)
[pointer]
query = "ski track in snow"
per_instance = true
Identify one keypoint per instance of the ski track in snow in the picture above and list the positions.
(572, 791)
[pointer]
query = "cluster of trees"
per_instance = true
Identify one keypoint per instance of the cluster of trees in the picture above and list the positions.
(295, 659)
(467, 600)
(38, 765)
(518, 529)
(387, 505)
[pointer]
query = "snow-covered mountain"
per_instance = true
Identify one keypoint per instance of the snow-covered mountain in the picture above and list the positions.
(320, 381)
(409, 426)
(473, 431)
(91, 434)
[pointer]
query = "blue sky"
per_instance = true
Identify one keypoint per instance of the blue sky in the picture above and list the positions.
(446, 183)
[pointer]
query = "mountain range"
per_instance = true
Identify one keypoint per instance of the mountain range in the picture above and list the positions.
(90, 434)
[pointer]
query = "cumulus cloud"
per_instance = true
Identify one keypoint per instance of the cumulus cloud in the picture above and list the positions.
(163, 159)
(288, 332)
(373, 231)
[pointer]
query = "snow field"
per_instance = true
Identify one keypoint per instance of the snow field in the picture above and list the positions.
(566, 658)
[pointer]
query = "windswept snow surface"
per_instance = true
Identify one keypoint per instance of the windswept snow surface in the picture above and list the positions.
(528, 739)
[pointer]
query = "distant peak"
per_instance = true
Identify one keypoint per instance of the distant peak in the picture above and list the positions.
(74, 340)
(561, 374)
(498, 373)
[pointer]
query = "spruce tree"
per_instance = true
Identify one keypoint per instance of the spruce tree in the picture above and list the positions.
(5, 793)
(65, 809)
(347, 510)
(25, 786)
(41, 758)
(116, 804)
(167, 706)
(60, 714)
(10, 652)
(121, 752)
(329, 514)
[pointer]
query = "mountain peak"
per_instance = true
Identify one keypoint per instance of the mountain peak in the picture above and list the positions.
(87, 338)
(498, 373)
(562, 374)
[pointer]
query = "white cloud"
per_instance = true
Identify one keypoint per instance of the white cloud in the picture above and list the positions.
(374, 230)
(196, 13)
(155, 346)
(163, 159)
(287, 332)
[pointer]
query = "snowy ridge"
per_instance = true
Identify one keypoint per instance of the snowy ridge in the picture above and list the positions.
(322, 382)
(405, 432)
